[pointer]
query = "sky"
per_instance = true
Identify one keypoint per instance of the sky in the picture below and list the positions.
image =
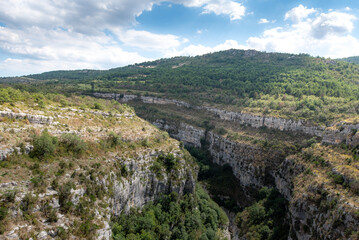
(38, 36)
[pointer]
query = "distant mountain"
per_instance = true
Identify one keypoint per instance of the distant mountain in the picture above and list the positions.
(354, 59)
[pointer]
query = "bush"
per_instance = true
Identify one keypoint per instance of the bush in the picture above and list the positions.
(168, 160)
(44, 145)
(157, 169)
(27, 202)
(3, 213)
(73, 143)
(64, 196)
(337, 178)
(222, 131)
(97, 106)
(114, 139)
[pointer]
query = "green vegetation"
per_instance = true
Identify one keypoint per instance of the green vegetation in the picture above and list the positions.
(44, 145)
(339, 167)
(219, 180)
(193, 216)
(354, 59)
(265, 219)
(285, 85)
(73, 143)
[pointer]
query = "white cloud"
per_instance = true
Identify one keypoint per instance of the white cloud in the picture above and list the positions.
(194, 50)
(50, 34)
(325, 34)
(88, 16)
(39, 50)
(263, 20)
(149, 41)
(234, 9)
(332, 23)
(298, 13)
(231, 8)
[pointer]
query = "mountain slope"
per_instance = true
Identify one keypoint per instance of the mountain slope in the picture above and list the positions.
(354, 59)
(275, 84)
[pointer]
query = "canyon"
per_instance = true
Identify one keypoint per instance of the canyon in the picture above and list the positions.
(255, 166)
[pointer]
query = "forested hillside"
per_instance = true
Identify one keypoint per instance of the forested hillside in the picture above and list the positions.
(277, 84)
(354, 59)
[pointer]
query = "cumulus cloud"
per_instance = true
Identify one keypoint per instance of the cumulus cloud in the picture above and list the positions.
(60, 50)
(298, 13)
(87, 16)
(263, 20)
(332, 23)
(234, 9)
(323, 34)
(64, 33)
(148, 41)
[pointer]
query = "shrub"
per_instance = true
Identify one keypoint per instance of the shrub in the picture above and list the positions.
(27, 202)
(73, 143)
(145, 142)
(45, 144)
(3, 213)
(354, 186)
(97, 106)
(338, 179)
(65, 196)
(114, 139)
(157, 169)
(222, 131)
(168, 160)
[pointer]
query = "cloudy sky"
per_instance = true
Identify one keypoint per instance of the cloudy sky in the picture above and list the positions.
(38, 36)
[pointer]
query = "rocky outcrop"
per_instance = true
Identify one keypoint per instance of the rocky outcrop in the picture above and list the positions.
(330, 135)
(251, 164)
(136, 185)
(143, 185)
(36, 119)
(4, 153)
(183, 132)
(315, 212)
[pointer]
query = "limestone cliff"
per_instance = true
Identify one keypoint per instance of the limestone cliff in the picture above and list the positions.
(319, 206)
(317, 209)
(65, 194)
(335, 133)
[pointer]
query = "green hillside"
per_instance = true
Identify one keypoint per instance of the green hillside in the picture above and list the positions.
(277, 84)
(354, 59)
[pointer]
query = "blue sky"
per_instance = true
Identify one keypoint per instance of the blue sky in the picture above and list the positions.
(38, 36)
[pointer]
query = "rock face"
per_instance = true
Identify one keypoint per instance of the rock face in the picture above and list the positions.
(186, 133)
(144, 185)
(6, 152)
(329, 135)
(36, 119)
(315, 213)
(74, 196)
(138, 186)
(252, 165)
(256, 167)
